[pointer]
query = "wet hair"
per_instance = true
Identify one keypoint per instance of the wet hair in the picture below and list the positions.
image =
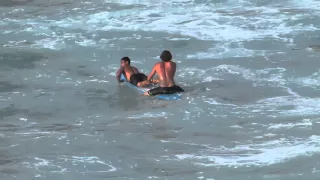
(166, 56)
(127, 59)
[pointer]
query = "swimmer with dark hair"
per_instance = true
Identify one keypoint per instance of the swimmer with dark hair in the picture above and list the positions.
(165, 70)
(131, 73)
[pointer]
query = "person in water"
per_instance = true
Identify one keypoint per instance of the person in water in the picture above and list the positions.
(131, 73)
(166, 70)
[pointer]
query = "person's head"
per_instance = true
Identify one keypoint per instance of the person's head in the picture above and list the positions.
(125, 61)
(166, 56)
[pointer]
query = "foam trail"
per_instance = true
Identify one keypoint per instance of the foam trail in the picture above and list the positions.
(205, 22)
(265, 154)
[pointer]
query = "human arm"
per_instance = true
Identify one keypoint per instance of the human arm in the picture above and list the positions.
(152, 73)
(118, 74)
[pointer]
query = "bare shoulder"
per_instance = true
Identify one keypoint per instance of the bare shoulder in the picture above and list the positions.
(157, 64)
(172, 63)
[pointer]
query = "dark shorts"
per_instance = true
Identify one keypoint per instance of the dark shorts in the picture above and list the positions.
(136, 78)
(165, 90)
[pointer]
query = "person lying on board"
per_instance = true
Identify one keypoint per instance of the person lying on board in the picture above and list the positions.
(166, 70)
(132, 74)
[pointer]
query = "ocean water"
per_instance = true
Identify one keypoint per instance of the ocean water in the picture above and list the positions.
(250, 69)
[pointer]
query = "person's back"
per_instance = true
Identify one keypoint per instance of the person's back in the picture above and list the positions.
(166, 71)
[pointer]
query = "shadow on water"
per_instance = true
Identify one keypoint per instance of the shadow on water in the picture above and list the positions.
(9, 3)
(6, 86)
(96, 99)
(19, 59)
(54, 127)
(125, 98)
(9, 127)
(10, 111)
(9, 157)
(314, 48)
(79, 71)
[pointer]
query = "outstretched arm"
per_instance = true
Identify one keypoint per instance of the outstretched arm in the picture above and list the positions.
(118, 74)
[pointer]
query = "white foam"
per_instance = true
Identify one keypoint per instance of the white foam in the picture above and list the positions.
(97, 80)
(270, 76)
(23, 119)
(200, 22)
(35, 132)
(264, 154)
(224, 51)
(261, 77)
(148, 115)
(304, 123)
(178, 39)
(56, 165)
(223, 22)
(300, 105)
(85, 42)
(42, 162)
(269, 135)
(192, 71)
(49, 43)
(88, 160)
(153, 177)
(236, 126)
(212, 101)
(312, 81)
(306, 4)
